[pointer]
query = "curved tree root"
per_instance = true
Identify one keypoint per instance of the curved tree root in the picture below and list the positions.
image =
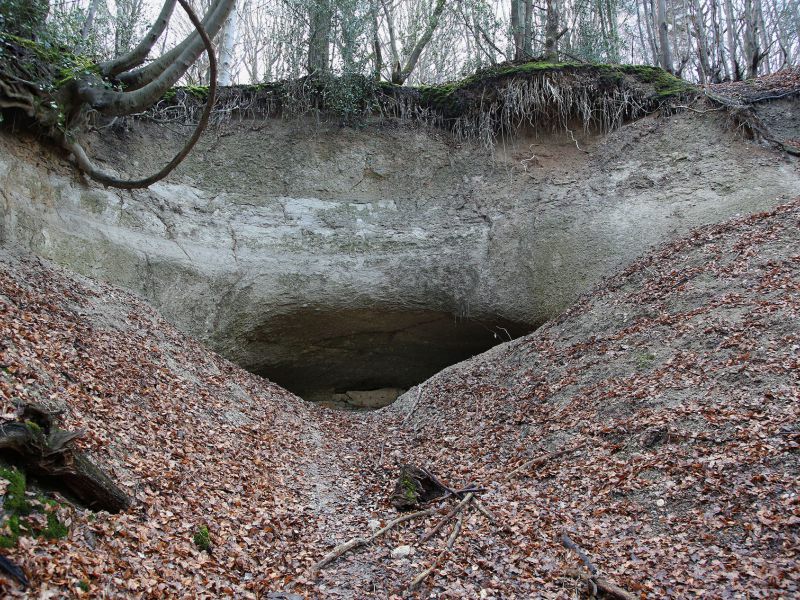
(87, 166)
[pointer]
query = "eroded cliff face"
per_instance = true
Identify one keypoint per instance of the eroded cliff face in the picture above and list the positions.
(337, 259)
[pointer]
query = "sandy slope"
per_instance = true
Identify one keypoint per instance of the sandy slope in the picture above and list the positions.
(674, 386)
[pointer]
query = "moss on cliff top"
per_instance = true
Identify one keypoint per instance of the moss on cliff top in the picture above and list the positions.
(477, 107)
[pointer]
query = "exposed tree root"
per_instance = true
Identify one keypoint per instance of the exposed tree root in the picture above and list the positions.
(87, 166)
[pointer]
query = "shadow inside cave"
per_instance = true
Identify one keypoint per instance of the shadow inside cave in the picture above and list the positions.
(366, 358)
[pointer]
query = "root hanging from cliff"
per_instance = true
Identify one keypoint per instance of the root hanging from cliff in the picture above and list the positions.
(480, 108)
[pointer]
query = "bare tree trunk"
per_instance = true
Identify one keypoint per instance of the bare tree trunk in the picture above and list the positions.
(650, 21)
(780, 31)
(752, 52)
(226, 48)
(191, 46)
(551, 31)
(730, 34)
(664, 50)
(136, 57)
(164, 73)
(642, 40)
(795, 10)
(527, 30)
(702, 47)
(612, 44)
(762, 31)
(319, 43)
(376, 42)
(400, 76)
(395, 67)
(517, 29)
(86, 29)
(720, 64)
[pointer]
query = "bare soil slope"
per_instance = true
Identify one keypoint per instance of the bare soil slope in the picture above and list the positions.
(673, 388)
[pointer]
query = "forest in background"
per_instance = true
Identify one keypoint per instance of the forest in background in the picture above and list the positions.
(431, 41)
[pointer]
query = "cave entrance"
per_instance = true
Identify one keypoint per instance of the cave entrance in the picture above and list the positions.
(364, 359)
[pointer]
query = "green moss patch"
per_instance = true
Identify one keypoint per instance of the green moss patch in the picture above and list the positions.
(21, 516)
(202, 538)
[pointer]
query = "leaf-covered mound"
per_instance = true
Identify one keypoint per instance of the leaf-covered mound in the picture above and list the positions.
(656, 422)
(198, 443)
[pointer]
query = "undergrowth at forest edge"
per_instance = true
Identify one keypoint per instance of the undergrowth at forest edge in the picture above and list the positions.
(478, 107)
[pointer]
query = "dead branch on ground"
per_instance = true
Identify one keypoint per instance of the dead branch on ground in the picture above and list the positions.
(358, 542)
(442, 555)
(593, 581)
(446, 519)
(609, 588)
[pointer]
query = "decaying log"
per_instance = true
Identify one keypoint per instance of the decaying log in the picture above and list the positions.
(45, 451)
(417, 486)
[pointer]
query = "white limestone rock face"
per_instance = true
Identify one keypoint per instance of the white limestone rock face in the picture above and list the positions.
(370, 258)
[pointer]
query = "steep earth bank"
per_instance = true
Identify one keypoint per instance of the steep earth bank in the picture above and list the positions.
(335, 259)
(655, 422)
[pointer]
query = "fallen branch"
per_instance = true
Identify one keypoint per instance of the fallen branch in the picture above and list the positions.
(484, 511)
(346, 547)
(609, 588)
(446, 519)
(540, 460)
(442, 555)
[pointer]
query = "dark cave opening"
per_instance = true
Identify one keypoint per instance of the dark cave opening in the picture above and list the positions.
(365, 358)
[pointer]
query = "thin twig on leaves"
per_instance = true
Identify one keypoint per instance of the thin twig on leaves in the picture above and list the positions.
(540, 460)
(414, 406)
(442, 555)
(446, 519)
(363, 541)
